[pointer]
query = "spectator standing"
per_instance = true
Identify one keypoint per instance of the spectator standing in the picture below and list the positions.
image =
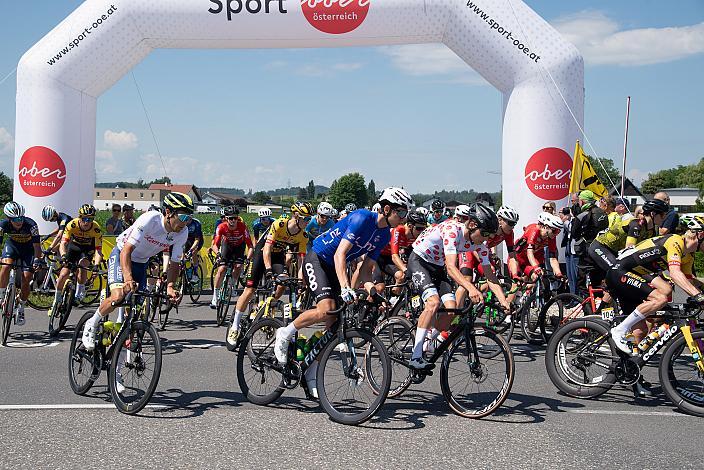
(112, 222)
(672, 219)
(567, 245)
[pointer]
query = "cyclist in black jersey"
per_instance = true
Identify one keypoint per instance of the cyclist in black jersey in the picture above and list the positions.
(50, 214)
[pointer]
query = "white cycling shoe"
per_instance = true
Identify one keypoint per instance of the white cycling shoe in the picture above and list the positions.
(281, 346)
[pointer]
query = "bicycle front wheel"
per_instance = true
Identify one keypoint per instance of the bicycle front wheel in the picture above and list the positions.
(398, 335)
(135, 367)
(258, 372)
(8, 307)
(224, 303)
(680, 378)
(195, 289)
(474, 384)
(344, 387)
(561, 308)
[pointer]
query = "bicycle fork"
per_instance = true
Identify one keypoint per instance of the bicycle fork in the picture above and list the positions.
(694, 346)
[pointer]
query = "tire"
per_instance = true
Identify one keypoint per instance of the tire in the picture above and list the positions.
(94, 286)
(137, 353)
(557, 309)
(679, 377)
(195, 290)
(8, 307)
(258, 375)
(398, 335)
(530, 316)
(590, 371)
(477, 403)
(83, 367)
(224, 304)
(213, 270)
(41, 300)
(343, 407)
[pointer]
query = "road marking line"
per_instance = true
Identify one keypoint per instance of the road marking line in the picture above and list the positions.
(17, 344)
(631, 413)
(68, 406)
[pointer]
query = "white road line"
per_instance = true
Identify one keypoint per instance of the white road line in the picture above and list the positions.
(631, 413)
(17, 344)
(68, 406)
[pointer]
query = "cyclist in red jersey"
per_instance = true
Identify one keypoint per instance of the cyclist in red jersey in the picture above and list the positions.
(469, 262)
(229, 242)
(529, 249)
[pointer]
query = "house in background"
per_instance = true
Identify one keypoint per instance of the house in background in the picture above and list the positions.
(683, 199)
(630, 193)
(189, 189)
(141, 199)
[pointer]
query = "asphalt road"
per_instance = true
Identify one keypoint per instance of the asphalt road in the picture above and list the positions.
(199, 419)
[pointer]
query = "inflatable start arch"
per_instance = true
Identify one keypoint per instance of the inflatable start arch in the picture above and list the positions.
(60, 78)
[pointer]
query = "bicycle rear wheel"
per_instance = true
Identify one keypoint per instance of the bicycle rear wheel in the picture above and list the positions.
(473, 384)
(530, 316)
(83, 367)
(259, 374)
(94, 286)
(136, 361)
(41, 299)
(580, 359)
(195, 289)
(397, 335)
(680, 379)
(345, 390)
(558, 308)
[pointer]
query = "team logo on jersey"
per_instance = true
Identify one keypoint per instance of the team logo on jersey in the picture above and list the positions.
(548, 172)
(41, 172)
(335, 16)
(418, 278)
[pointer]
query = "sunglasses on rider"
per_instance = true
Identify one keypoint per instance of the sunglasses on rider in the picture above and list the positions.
(184, 217)
(420, 228)
(86, 220)
(17, 220)
(402, 213)
(486, 233)
(232, 218)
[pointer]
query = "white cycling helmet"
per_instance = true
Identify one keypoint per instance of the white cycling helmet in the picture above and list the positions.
(13, 209)
(508, 213)
(550, 220)
(325, 208)
(334, 213)
(422, 210)
(266, 212)
(462, 210)
(376, 207)
(49, 212)
(396, 196)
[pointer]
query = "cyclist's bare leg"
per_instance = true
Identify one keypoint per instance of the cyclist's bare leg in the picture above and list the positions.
(26, 280)
(219, 274)
(5, 272)
(317, 315)
(244, 299)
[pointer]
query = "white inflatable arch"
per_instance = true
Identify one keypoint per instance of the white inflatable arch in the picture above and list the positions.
(61, 77)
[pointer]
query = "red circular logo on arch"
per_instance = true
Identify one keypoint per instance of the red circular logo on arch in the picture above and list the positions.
(42, 172)
(335, 16)
(548, 173)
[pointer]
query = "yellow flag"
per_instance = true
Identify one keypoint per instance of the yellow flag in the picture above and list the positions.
(583, 175)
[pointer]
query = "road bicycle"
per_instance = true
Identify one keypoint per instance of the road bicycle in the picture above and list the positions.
(583, 361)
(225, 294)
(62, 309)
(130, 351)
(12, 297)
(342, 376)
(477, 366)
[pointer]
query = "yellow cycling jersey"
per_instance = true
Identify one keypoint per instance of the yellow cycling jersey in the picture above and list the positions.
(656, 255)
(92, 237)
(281, 238)
(622, 232)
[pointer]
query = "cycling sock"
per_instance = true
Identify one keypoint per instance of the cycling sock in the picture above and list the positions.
(627, 324)
(434, 333)
(289, 330)
(418, 345)
(80, 290)
(216, 291)
(236, 320)
(120, 315)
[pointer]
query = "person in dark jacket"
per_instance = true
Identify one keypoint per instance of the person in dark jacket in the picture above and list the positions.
(585, 227)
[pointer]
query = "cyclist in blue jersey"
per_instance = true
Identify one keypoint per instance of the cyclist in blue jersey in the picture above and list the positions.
(360, 233)
(22, 247)
(438, 215)
(320, 223)
(193, 245)
(261, 224)
(50, 214)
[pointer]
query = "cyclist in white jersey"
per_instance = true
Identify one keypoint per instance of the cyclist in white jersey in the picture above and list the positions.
(434, 257)
(150, 234)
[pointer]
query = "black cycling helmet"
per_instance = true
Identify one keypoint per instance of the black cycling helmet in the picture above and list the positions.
(437, 205)
(231, 211)
(655, 206)
(179, 202)
(86, 210)
(484, 216)
(416, 218)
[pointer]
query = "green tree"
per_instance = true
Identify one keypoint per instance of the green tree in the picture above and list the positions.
(5, 188)
(302, 194)
(660, 180)
(162, 180)
(260, 197)
(608, 169)
(349, 188)
(371, 191)
(311, 190)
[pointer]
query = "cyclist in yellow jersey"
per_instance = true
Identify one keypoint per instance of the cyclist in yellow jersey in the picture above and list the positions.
(636, 278)
(82, 239)
(270, 258)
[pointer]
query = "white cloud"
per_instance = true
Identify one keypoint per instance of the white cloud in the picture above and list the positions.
(121, 140)
(636, 175)
(432, 60)
(601, 40)
(106, 166)
(7, 142)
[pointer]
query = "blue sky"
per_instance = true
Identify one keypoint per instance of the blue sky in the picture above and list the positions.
(401, 115)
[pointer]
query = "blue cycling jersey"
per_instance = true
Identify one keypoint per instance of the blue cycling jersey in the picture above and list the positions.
(195, 229)
(259, 228)
(21, 237)
(360, 229)
(314, 229)
(62, 220)
(433, 221)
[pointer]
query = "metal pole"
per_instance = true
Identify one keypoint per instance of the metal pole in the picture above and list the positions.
(625, 146)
